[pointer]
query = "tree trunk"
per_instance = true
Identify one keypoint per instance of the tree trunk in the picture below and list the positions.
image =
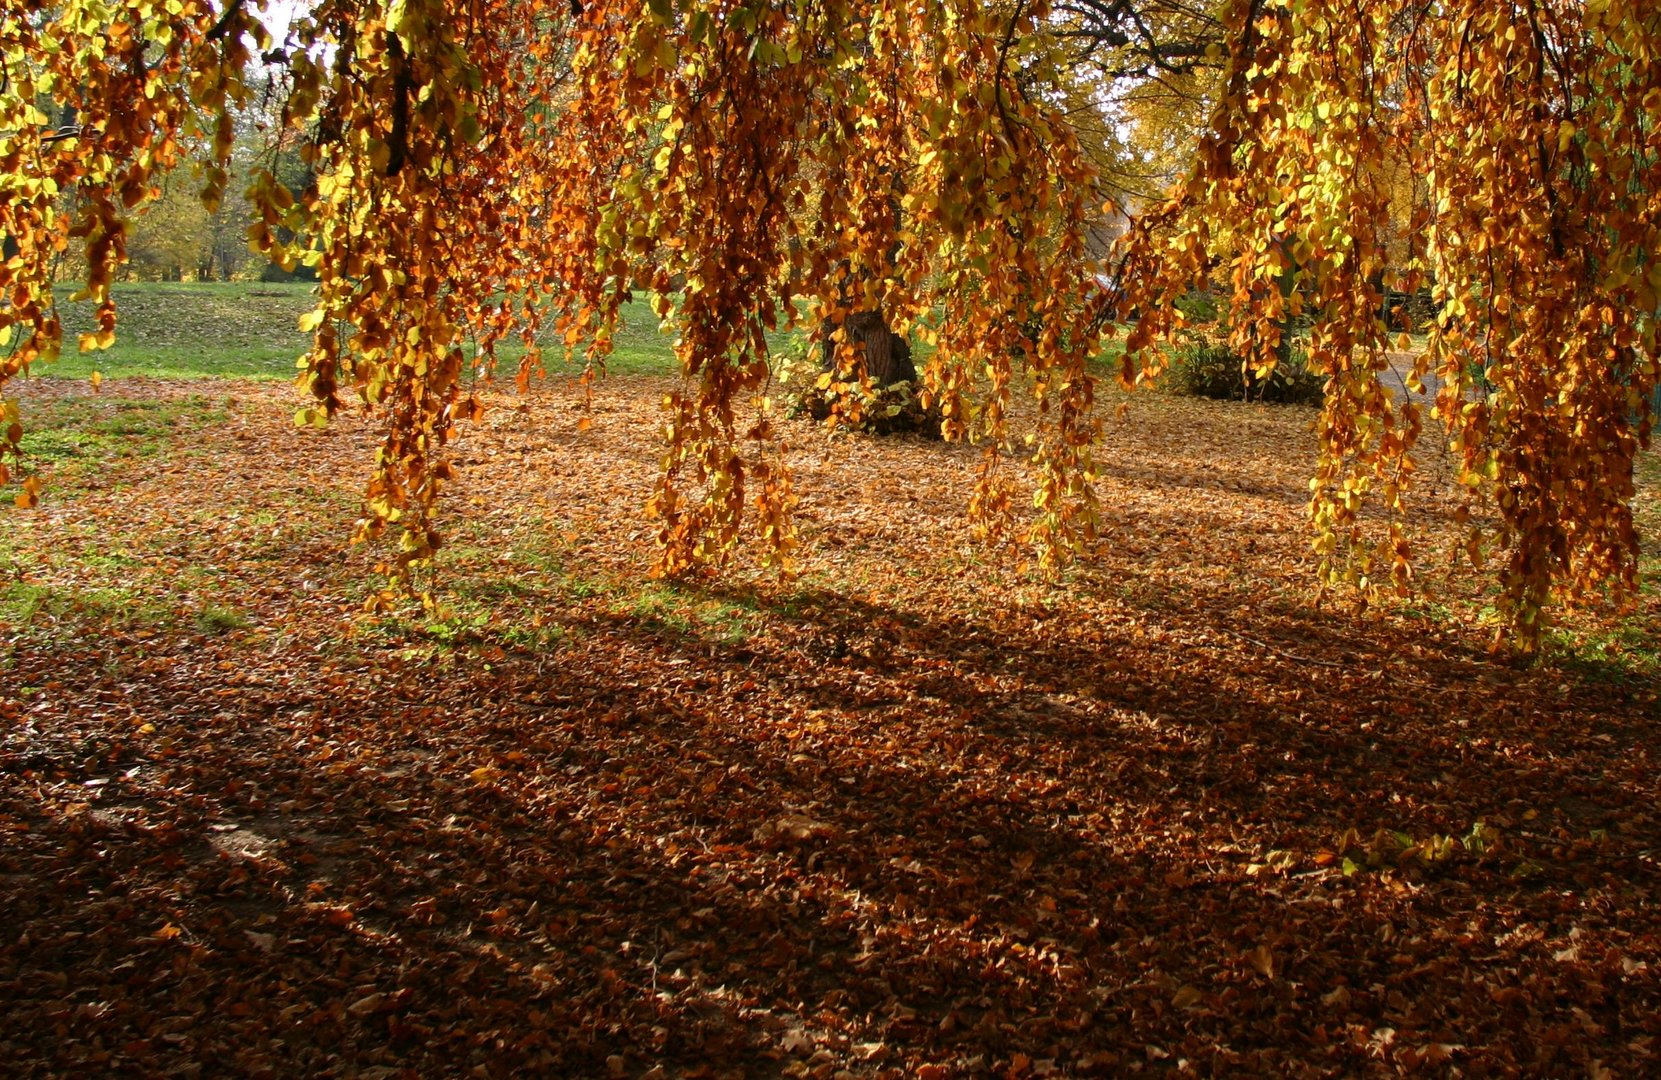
(887, 354)
(894, 406)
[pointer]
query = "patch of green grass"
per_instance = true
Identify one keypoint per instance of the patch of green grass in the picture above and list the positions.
(21, 602)
(642, 346)
(727, 623)
(667, 608)
(94, 428)
(656, 606)
(214, 620)
(534, 637)
(1426, 609)
(487, 599)
(250, 330)
(245, 330)
(463, 624)
(482, 605)
(59, 611)
(108, 564)
(578, 587)
(1619, 654)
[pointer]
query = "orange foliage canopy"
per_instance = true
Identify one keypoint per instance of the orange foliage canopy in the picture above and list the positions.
(1534, 129)
(495, 168)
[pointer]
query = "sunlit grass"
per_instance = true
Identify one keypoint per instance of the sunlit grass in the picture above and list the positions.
(250, 330)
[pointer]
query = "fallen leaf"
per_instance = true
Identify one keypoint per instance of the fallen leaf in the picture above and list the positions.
(1262, 961)
(367, 1004)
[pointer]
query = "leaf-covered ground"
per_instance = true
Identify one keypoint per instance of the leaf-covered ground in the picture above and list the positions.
(918, 813)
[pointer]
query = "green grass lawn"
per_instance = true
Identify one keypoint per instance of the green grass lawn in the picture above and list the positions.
(245, 330)
(93, 429)
(249, 330)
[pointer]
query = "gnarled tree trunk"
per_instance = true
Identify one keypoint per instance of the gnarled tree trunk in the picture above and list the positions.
(894, 405)
(887, 354)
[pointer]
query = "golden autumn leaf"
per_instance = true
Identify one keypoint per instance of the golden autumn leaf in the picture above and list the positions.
(1187, 997)
(1262, 961)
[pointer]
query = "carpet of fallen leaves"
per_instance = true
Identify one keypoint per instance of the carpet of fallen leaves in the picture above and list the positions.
(917, 813)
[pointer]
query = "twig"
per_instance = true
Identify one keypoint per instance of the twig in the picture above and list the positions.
(1280, 653)
(223, 26)
(1326, 663)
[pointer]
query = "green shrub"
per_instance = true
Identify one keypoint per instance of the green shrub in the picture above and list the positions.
(1208, 368)
(1199, 306)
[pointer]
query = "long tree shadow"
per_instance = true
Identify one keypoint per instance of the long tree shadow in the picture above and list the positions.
(876, 835)
(1356, 727)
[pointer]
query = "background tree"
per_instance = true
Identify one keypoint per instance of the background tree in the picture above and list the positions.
(171, 239)
(1143, 79)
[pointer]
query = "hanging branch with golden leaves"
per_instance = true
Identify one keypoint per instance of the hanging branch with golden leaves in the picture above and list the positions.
(95, 106)
(489, 168)
(1535, 126)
